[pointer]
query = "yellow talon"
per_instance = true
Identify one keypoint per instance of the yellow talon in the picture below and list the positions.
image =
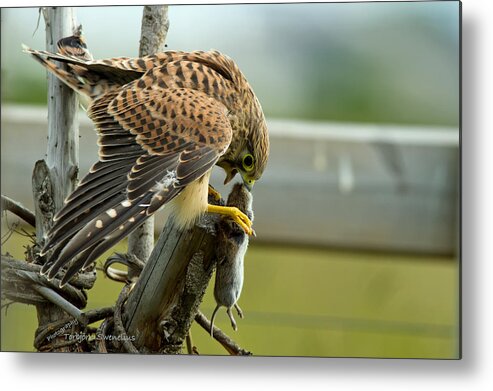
(234, 213)
(213, 192)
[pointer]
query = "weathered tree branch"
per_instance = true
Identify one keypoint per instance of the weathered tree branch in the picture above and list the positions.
(64, 325)
(119, 327)
(129, 260)
(54, 179)
(44, 200)
(63, 107)
(231, 346)
(161, 307)
(11, 266)
(52, 296)
(19, 210)
(155, 25)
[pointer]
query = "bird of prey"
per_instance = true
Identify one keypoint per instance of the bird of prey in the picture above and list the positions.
(163, 122)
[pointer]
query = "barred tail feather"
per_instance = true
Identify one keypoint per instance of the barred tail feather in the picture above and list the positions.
(67, 76)
(94, 252)
(121, 218)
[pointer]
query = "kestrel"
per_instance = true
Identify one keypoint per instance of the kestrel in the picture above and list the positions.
(163, 122)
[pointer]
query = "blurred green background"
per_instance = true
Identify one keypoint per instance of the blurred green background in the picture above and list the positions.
(373, 63)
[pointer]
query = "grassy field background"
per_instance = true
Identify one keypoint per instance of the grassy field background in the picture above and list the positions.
(301, 301)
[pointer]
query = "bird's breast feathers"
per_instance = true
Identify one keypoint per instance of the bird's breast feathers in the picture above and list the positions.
(191, 203)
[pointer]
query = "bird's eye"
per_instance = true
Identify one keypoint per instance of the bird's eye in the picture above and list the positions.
(248, 162)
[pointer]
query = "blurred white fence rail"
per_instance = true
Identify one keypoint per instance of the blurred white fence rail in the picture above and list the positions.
(348, 185)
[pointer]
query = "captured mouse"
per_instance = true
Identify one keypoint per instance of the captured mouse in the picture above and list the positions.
(231, 249)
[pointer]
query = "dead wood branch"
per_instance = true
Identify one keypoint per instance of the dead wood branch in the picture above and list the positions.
(231, 346)
(19, 210)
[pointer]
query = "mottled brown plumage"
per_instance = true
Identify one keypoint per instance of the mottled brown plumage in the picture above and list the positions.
(74, 46)
(163, 122)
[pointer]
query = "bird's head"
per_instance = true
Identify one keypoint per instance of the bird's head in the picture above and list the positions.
(251, 157)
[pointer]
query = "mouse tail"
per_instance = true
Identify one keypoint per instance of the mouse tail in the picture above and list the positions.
(212, 319)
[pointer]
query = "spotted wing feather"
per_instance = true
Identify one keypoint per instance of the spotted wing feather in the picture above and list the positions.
(96, 230)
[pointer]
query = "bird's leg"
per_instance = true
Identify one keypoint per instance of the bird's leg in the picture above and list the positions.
(233, 323)
(235, 214)
(213, 192)
(238, 309)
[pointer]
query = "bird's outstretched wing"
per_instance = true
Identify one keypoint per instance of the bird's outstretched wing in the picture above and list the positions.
(157, 134)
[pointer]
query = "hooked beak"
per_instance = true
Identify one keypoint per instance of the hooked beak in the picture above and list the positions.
(248, 182)
(230, 175)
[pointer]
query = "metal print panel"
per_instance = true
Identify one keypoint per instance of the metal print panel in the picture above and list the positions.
(261, 179)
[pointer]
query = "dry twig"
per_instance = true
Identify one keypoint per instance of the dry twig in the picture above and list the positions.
(19, 210)
(231, 346)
